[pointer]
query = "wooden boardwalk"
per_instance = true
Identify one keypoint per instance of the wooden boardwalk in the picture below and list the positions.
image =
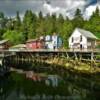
(9, 58)
(85, 54)
(4, 53)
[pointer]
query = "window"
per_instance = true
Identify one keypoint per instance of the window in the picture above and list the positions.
(72, 39)
(81, 38)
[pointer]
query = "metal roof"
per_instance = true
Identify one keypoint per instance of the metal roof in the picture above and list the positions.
(32, 40)
(87, 34)
(3, 41)
(19, 46)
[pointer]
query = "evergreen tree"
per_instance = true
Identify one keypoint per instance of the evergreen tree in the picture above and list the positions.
(93, 24)
(34, 26)
(10, 24)
(40, 27)
(54, 20)
(29, 24)
(78, 20)
(17, 22)
(40, 15)
(65, 31)
(48, 28)
(3, 20)
(96, 13)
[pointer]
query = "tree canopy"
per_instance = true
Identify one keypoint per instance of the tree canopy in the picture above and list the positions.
(33, 25)
(14, 37)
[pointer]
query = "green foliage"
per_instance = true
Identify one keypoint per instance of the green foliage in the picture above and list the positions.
(3, 20)
(78, 20)
(17, 22)
(40, 25)
(93, 24)
(33, 26)
(97, 35)
(29, 24)
(14, 37)
(2, 32)
(65, 32)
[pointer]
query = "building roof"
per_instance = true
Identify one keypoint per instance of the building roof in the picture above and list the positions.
(3, 41)
(87, 34)
(19, 46)
(31, 40)
(34, 40)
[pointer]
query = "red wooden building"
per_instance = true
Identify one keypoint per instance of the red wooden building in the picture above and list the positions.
(35, 44)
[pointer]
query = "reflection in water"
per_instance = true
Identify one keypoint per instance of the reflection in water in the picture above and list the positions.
(52, 87)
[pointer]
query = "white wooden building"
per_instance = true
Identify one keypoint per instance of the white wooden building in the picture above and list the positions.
(82, 39)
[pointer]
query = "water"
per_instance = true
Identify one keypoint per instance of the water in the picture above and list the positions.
(63, 86)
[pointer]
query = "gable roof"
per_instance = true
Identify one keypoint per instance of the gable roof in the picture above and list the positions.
(87, 34)
(3, 41)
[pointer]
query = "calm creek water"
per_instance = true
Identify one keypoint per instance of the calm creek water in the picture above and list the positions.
(69, 86)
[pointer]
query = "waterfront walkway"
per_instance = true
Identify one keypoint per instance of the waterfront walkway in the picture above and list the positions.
(15, 58)
(89, 54)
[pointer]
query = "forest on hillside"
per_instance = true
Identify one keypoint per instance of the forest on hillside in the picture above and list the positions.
(33, 25)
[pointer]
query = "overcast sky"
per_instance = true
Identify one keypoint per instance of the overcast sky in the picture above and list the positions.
(65, 7)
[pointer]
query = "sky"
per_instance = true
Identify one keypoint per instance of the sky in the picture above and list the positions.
(65, 7)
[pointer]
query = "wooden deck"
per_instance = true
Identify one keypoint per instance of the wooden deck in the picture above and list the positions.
(89, 54)
(47, 50)
(5, 53)
(17, 57)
